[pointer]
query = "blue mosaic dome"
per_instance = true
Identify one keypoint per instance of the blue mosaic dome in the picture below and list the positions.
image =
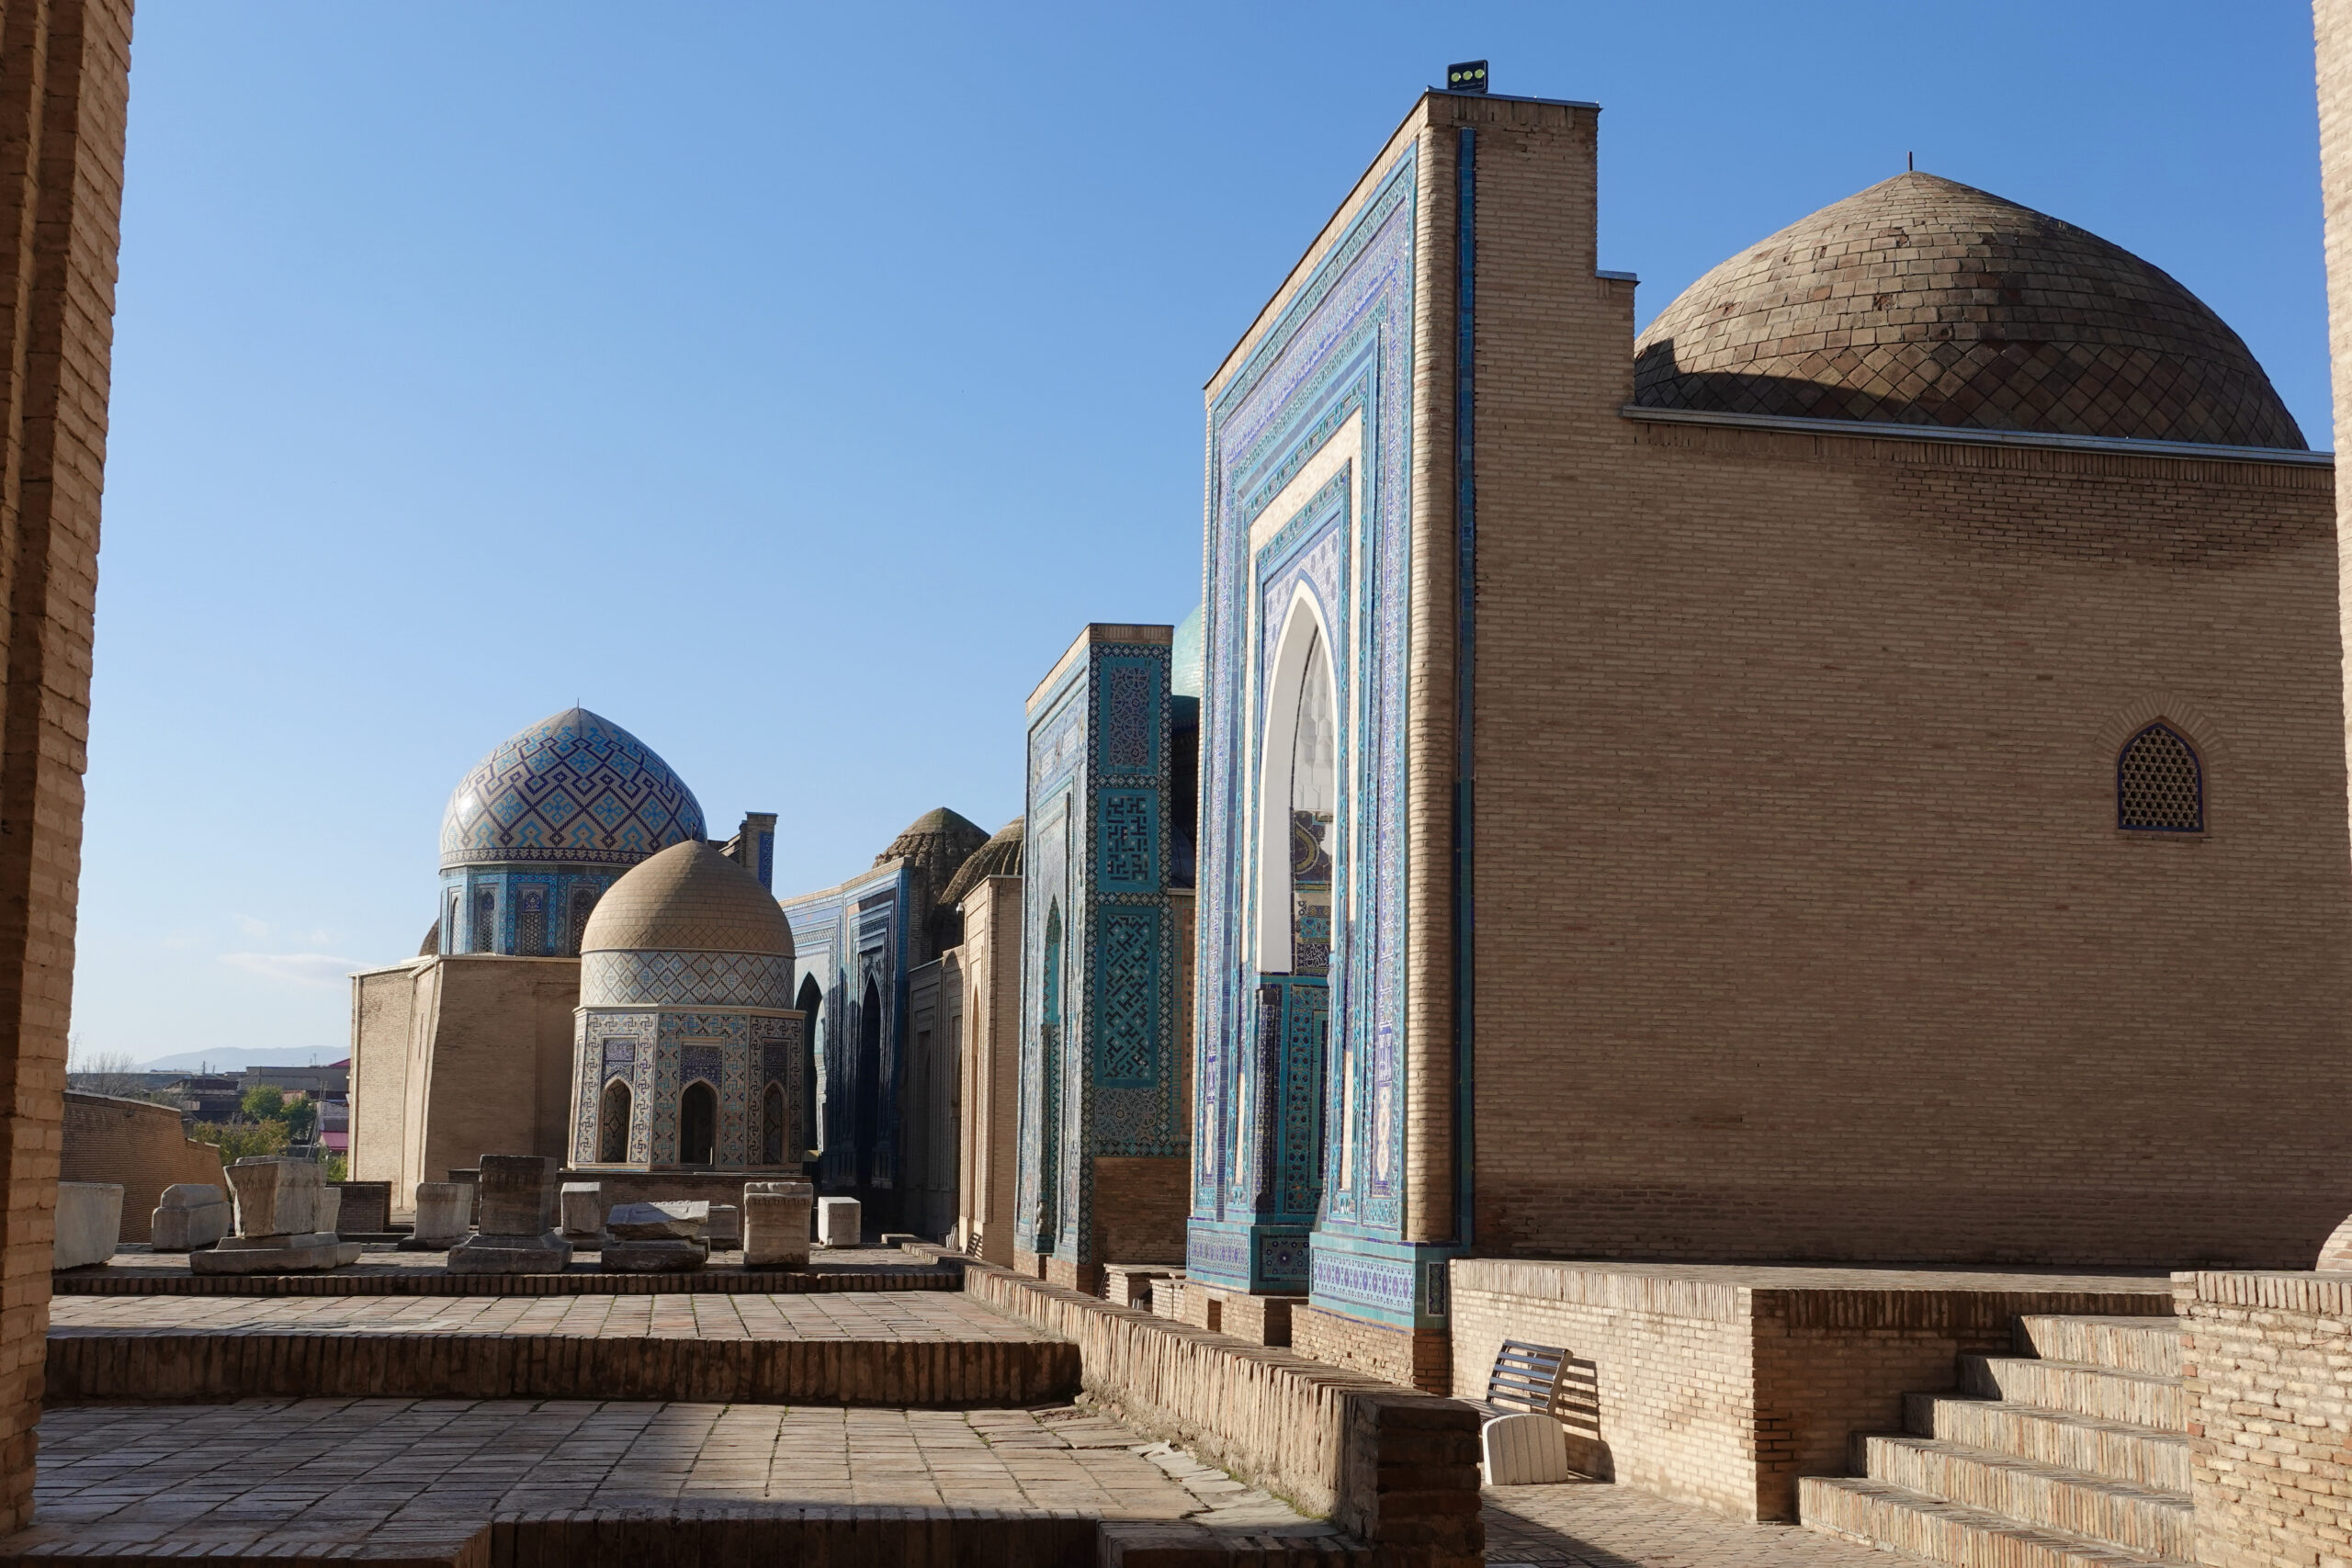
(574, 787)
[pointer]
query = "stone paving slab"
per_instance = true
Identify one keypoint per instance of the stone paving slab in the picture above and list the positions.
(383, 1270)
(1591, 1524)
(418, 1480)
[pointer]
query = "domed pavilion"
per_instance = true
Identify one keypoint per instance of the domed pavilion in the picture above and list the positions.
(1924, 301)
(687, 1051)
(539, 828)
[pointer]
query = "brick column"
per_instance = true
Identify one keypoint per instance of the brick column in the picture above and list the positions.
(64, 81)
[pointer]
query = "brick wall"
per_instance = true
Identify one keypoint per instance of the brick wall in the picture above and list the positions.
(2332, 24)
(2267, 1360)
(1140, 1208)
(1393, 1467)
(990, 1136)
(64, 81)
(1795, 779)
(137, 1145)
(1419, 1358)
(457, 1057)
(1720, 1386)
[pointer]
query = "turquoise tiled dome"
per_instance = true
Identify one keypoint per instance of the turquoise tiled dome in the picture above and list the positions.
(574, 787)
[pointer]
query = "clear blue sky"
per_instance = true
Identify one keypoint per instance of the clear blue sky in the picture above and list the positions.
(789, 384)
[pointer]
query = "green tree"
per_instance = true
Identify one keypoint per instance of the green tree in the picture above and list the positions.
(299, 1115)
(243, 1140)
(262, 1102)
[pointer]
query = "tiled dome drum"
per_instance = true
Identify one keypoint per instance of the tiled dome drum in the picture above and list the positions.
(574, 787)
(1924, 302)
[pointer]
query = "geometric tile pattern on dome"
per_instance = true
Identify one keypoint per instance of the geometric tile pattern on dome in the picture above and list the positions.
(1924, 302)
(2159, 786)
(573, 787)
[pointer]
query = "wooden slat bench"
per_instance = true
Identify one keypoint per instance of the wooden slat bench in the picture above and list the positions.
(1521, 1443)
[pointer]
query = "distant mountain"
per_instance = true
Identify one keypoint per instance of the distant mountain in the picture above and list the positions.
(236, 1060)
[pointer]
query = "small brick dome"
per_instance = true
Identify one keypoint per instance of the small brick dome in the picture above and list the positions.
(1924, 302)
(689, 898)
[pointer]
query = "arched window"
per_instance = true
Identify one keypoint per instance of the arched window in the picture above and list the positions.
(612, 1123)
(698, 1124)
(450, 928)
(869, 1133)
(812, 1003)
(1297, 799)
(773, 1126)
(584, 903)
(485, 921)
(2159, 783)
(531, 924)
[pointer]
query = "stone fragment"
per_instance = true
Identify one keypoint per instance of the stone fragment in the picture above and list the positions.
(516, 1199)
(582, 1209)
(276, 1255)
(775, 1226)
(441, 1209)
(839, 1221)
(192, 1215)
(546, 1253)
(676, 1221)
(725, 1229)
(469, 1178)
(673, 1255)
(89, 1223)
(276, 1196)
(330, 1208)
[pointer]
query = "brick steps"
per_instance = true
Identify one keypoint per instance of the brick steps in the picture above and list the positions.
(1892, 1518)
(2078, 1388)
(2115, 1450)
(83, 1368)
(2075, 1457)
(2070, 1502)
(2148, 1345)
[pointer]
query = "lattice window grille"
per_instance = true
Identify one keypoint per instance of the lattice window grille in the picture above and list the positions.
(2159, 783)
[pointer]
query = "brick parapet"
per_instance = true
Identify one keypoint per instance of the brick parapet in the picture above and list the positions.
(2267, 1369)
(1721, 1386)
(1387, 1464)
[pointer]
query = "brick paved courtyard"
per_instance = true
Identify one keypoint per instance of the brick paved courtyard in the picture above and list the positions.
(1589, 1524)
(261, 1476)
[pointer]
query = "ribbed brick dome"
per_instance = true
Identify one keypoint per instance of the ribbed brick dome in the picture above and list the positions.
(1924, 302)
(689, 898)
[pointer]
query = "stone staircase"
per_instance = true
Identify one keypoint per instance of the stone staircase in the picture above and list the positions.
(2072, 1453)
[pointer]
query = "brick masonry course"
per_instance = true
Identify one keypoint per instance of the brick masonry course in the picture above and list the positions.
(873, 1348)
(384, 1272)
(1393, 1467)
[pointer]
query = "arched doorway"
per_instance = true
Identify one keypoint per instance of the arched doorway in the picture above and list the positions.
(773, 1126)
(612, 1123)
(812, 1003)
(1298, 934)
(698, 1124)
(1049, 1046)
(868, 1137)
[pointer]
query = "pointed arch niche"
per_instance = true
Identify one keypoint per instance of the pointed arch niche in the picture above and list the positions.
(1297, 797)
